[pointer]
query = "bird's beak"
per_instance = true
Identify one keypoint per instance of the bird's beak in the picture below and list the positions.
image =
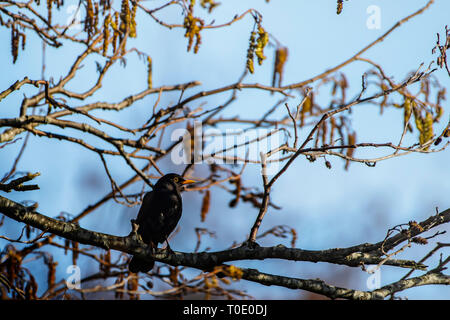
(188, 181)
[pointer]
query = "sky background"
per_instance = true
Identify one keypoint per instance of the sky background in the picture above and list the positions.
(328, 208)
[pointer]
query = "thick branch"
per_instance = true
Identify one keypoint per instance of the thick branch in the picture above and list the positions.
(353, 256)
(347, 256)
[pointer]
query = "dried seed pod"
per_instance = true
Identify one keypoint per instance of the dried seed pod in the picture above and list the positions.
(261, 42)
(14, 42)
(234, 272)
(205, 205)
(132, 285)
(333, 127)
(407, 110)
(96, 17)
(193, 27)
(24, 40)
(116, 34)
(324, 133)
(119, 294)
(90, 17)
(49, 11)
(439, 113)
(31, 288)
(105, 265)
(12, 263)
(351, 138)
(281, 55)
(74, 252)
(51, 271)
(173, 277)
(209, 4)
(427, 126)
(415, 226)
(28, 230)
(125, 17)
(441, 96)
(307, 107)
(237, 192)
(340, 6)
(294, 237)
(133, 19)
(419, 240)
(66, 245)
(251, 52)
(417, 116)
(383, 103)
(106, 33)
(106, 5)
(149, 72)
(214, 282)
(343, 85)
(447, 133)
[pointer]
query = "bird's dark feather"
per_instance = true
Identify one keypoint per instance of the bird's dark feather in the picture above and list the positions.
(158, 216)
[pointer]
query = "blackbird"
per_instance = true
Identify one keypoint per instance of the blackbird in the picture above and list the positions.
(159, 214)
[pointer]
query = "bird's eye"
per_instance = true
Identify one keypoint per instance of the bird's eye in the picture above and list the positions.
(175, 179)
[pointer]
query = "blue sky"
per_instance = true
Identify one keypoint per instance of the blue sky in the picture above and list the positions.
(328, 208)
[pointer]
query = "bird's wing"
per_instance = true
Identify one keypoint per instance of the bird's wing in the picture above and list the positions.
(145, 206)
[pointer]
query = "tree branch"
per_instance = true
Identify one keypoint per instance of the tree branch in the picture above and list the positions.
(353, 256)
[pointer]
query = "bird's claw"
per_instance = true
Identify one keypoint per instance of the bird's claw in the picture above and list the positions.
(134, 226)
(168, 248)
(134, 229)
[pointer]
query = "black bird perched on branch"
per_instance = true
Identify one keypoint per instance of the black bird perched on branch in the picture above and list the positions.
(158, 216)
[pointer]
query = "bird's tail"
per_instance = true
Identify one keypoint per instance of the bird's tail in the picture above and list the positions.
(140, 265)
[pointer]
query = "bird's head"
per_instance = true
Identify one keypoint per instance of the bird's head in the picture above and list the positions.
(172, 181)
